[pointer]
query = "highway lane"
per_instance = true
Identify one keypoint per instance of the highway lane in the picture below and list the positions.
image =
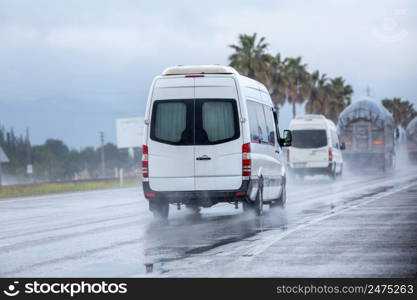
(376, 237)
(111, 233)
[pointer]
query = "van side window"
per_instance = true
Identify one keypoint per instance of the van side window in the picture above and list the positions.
(253, 122)
(257, 122)
(270, 124)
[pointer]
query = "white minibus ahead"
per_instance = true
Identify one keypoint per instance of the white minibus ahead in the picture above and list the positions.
(315, 148)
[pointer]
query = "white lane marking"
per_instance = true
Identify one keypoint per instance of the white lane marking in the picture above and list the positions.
(256, 250)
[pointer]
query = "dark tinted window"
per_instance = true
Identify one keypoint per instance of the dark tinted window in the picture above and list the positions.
(309, 138)
(257, 122)
(253, 122)
(172, 122)
(194, 122)
(216, 121)
(270, 124)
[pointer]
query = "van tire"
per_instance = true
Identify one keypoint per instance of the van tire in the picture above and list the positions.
(341, 171)
(333, 174)
(259, 202)
(257, 205)
(159, 209)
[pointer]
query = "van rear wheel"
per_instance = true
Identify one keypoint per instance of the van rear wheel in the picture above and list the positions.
(255, 206)
(259, 202)
(160, 209)
(333, 174)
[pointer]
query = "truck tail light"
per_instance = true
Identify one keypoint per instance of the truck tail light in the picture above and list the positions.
(246, 161)
(145, 161)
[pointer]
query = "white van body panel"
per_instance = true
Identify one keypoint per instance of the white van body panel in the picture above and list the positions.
(266, 159)
(315, 157)
(224, 170)
(173, 88)
(273, 167)
(171, 167)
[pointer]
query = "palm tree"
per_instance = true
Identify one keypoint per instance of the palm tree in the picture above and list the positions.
(318, 93)
(402, 110)
(328, 96)
(274, 77)
(288, 80)
(340, 98)
(298, 82)
(250, 55)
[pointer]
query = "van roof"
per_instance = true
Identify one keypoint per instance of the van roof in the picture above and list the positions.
(199, 69)
(307, 117)
(312, 122)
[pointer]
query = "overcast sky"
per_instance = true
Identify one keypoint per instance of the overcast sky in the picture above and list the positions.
(69, 68)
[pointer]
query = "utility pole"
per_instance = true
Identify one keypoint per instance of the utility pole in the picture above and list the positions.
(103, 167)
(28, 153)
(29, 166)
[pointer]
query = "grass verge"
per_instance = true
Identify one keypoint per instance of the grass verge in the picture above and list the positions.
(23, 190)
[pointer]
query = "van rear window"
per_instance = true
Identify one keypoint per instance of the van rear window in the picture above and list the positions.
(217, 120)
(309, 138)
(194, 121)
(172, 121)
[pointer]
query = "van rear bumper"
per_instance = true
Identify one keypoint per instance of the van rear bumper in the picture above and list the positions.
(327, 169)
(200, 198)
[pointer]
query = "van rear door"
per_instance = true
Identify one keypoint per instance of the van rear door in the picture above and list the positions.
(218, 139)
(309, 146)
(170, 142)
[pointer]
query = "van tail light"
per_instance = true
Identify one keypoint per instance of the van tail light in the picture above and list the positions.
(377, 142)
(145, 161)
(330, 154)
(246, 161)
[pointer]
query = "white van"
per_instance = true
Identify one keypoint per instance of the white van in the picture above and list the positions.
(315, 147)
(211, 136)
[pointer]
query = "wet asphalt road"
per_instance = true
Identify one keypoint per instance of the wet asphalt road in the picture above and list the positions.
(363, 225)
